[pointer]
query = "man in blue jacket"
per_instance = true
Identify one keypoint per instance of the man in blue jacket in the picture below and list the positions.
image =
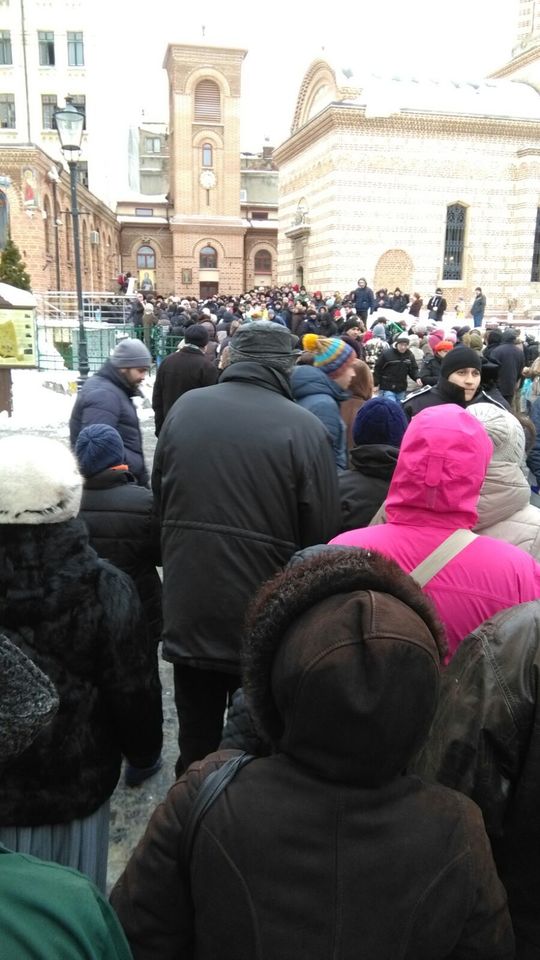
(107, 397)
(364, 300)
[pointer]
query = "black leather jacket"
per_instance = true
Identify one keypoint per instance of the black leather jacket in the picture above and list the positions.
(485, 742)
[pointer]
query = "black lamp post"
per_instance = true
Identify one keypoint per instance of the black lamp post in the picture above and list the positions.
(70, 125)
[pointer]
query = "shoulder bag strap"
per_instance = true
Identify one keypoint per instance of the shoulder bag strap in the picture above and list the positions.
(443, 554)
(210, 789)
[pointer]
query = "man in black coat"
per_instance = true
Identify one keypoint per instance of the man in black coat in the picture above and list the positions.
(511, 362)
(244, 478)
(184, 370)
(393, 367)
(107, 397)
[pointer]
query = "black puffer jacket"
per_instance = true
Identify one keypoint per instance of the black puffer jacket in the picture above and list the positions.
(244, 477)
(485, 742)
(124, 529)
(79, 619)
(447, 392)
(363, 489)
(108, 398)
(393, 368)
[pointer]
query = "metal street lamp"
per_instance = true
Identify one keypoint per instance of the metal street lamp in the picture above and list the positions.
(69, 126)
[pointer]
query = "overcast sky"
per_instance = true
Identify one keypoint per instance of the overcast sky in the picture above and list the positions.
(464, 40)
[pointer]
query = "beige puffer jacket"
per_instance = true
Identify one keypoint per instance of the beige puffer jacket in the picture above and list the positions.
(504, 508)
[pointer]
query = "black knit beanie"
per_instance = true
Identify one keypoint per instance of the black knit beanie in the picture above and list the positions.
(458, 359)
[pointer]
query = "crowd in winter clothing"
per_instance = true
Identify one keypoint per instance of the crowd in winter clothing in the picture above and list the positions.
(341, 500)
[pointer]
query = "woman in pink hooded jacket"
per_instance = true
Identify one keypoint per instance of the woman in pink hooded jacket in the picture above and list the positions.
(434, 491)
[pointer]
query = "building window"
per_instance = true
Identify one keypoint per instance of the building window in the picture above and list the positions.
(454, 242)
(207, 102)
(7, 110)
(207, 155)
(152, 145)
(146, 258)
(259, 214)
(144, 212)
(79, 100)
(46, 48)
(535, 272)
(75, 44)
(208, 259)
(82, 172)
(263, 261)
(6, 58)
(48, 106)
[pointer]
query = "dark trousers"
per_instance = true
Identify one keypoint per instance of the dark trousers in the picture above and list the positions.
(201, 698)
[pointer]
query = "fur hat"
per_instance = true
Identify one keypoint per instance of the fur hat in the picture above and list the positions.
(197, 334)
(39, 481)
(379, 420)
(458, 359)
(331, 353)
(504, 429)
(28, 700)
(264, 342)
(344, 641)
(131, 353)
(98, 447)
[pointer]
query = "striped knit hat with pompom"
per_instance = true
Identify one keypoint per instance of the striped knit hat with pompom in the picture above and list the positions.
(331, 355)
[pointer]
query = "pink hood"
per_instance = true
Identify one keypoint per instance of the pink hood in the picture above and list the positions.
(440, 470)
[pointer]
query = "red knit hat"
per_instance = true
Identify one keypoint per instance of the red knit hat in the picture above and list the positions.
(443, 346)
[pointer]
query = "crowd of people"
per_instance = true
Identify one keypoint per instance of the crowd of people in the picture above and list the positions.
(342, 503)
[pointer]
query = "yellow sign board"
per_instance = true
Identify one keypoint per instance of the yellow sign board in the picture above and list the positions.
(17, 338)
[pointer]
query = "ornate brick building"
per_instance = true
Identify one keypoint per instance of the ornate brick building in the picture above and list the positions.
(417, 184)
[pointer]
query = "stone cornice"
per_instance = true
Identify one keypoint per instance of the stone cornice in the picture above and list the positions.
(516, 63)
(352, 118)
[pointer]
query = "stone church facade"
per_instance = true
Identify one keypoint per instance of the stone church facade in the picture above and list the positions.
(417, 184)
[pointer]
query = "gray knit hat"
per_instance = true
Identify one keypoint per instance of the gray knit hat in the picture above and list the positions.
(28, 700)
(504, 430)
(131, 353)
(265, 342)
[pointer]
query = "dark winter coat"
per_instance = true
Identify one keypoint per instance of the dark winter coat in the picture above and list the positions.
(533, 457)
(436, 306)
(363, 489)
(392, 369)
(447, 392)
(316, 392)
(124, 529)
(318, 851)
(108, 398)
(244, 477)
(430, 371)
(511, 362)
(478, 308)
(79, 619)
(485, 742)
(364, 300)
(182, 371)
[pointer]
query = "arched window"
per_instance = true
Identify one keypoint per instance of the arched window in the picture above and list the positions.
(207, 155)
(263, 261)
(208, 258)
(146, 258)
(207, 102)
(454, 242)
(4, 220)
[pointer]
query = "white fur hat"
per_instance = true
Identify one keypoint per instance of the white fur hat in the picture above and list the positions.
(39, 481)
(505, 430)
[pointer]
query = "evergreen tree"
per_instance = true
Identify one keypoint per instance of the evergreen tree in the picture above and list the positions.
(12, 267)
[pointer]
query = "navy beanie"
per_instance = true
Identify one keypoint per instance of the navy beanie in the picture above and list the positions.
(380, 420)
(99, 447)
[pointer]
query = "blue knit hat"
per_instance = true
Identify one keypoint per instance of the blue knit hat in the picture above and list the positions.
(99, 446)
(380, 420)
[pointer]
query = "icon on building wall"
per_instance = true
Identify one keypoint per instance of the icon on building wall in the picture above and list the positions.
(147, 280)
(29, 188)
(187, 276)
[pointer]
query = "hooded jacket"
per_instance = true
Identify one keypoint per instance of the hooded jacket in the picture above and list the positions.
(435, 489)
(108, 398)
(504, 508)
(243, 478)
(322, 396)
(485, 742)
(324, 849)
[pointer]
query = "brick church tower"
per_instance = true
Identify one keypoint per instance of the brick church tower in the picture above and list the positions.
(204, 117)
